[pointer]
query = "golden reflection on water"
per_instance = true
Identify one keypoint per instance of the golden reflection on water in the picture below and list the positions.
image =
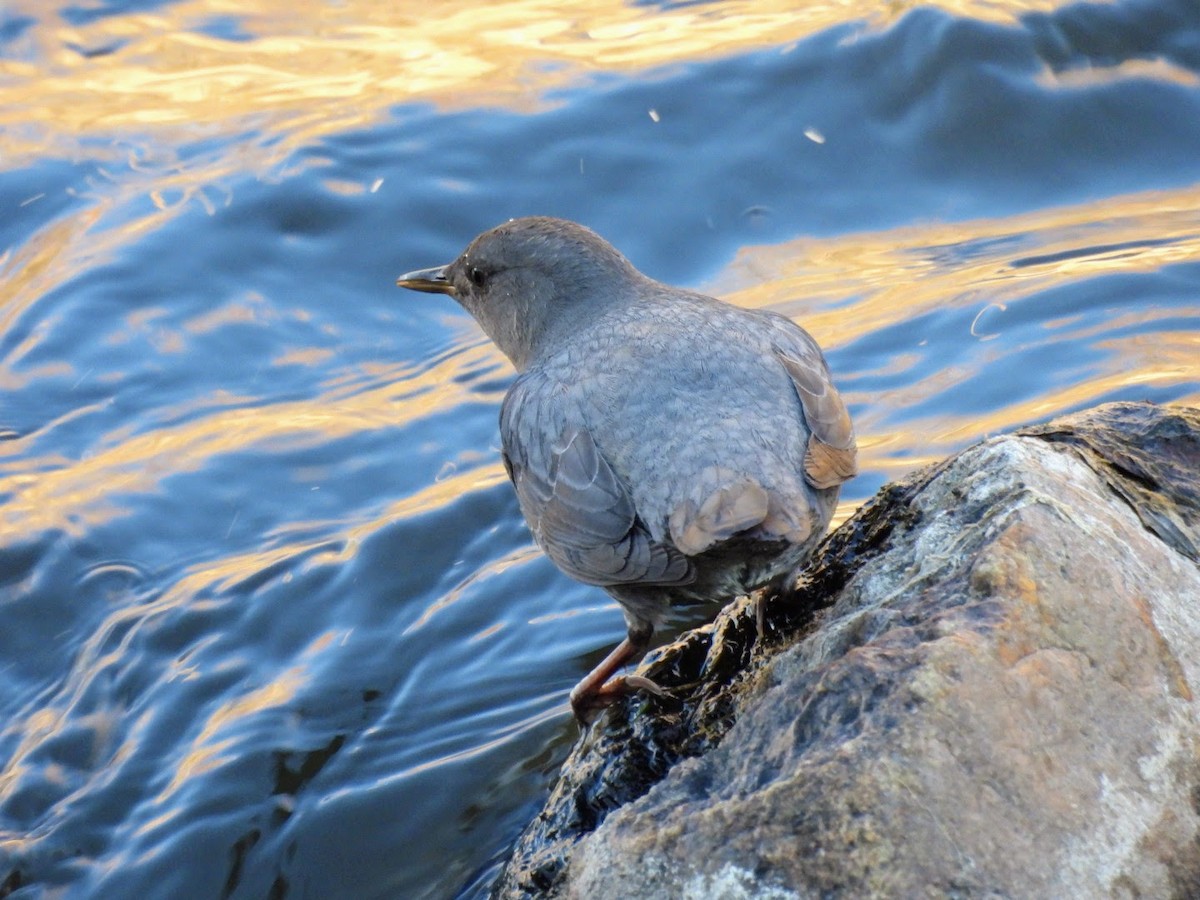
(1156, 69)
(129, 91)
(208, 749)
(299, 61)
(74, 244)
(901, 273)
(77, 497)
(988, 265)
(892, 277)
(159, 76)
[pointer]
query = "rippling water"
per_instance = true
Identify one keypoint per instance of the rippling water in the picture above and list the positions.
(272, 625)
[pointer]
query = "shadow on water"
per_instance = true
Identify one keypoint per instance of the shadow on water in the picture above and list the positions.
(272, 625)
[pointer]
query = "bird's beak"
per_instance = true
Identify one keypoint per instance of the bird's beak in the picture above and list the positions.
(429, 281)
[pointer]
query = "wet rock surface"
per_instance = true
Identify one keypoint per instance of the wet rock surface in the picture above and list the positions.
(983, 687)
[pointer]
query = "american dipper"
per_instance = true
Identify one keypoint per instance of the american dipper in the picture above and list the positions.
(664, 445)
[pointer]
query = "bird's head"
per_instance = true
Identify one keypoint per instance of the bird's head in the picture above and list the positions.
(530, 280)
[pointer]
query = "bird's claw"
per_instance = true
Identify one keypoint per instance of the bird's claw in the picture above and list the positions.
(641, 683)
(586, 705)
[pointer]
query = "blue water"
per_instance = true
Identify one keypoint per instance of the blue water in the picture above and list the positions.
(271, 623)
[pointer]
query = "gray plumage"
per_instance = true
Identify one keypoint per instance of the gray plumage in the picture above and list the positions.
(664, 445)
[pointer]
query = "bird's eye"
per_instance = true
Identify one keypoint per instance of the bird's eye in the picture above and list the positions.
(477, 275)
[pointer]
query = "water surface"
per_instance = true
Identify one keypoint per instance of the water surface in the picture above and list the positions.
(272, 625)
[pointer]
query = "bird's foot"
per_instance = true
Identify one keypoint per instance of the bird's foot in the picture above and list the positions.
(587, 704)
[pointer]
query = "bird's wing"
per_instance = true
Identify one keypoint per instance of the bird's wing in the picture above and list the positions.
(578, 509)
(832, 455)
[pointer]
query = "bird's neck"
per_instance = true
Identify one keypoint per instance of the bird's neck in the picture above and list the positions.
(576, 324)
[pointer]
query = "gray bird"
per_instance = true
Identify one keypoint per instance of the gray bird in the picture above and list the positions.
(664, 445)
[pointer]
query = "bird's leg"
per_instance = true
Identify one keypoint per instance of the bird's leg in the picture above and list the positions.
(600, 689)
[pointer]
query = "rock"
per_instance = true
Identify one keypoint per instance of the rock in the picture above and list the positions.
(984, 687)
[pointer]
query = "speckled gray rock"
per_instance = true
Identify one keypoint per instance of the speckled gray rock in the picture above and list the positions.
(986, 688)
